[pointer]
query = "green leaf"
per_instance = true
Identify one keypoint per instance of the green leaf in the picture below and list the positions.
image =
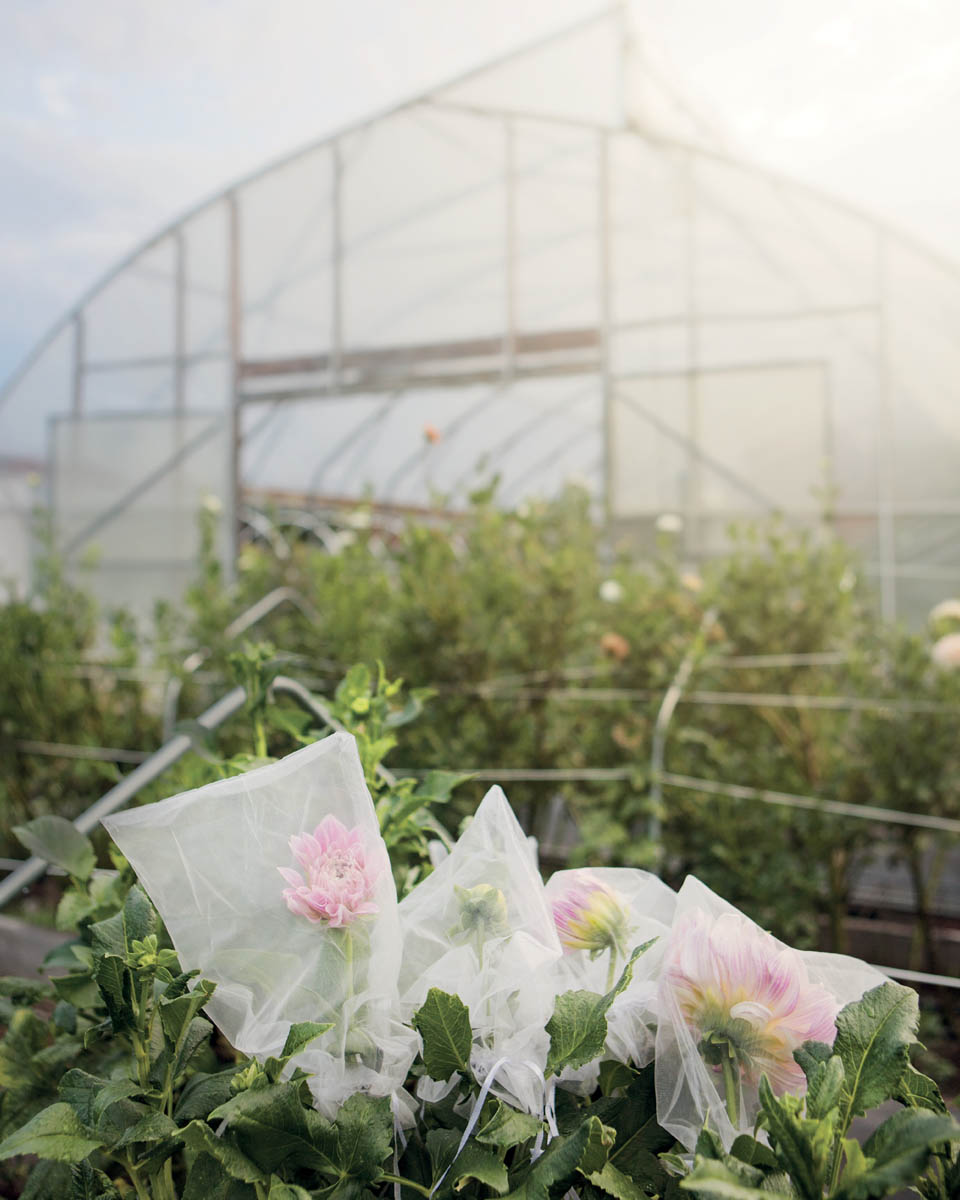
(473, 1162)
(364, 1128)
(286, 1191)
(443, 1022)
(200, 1138)
(508, 1127)
(578, 1027)
(55, 1133)
(77, 989)
(717, 1181)
(791, 1144)
(824, 1086)
(208, 1180)
(48, 1179)
(272, 1127)
(59, 842)
(90, 1096)
(301, 1035)
(88, 1183)
(556, 1168)
(614, 1076)
(196, 1034)
(748, 1150)
(116, 987)
(204, 1092)
(916, 1090)
(152, 1127)
(874, 1036)
(897, 1152)
(616, 1184)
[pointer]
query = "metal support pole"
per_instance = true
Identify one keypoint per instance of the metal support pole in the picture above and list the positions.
(604, 263)
(79, 355)
(886, 528)
(336, 259)
(667, 708)
(235, 302)
(692, 533)
(510, 247)
(34, 868)
(179, 321)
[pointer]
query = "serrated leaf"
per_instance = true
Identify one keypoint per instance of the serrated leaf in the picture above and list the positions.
(578, 1027)
(88, 1183)
(194, 1036)
(791, 1143)
(204, 1092)
(116, 988)
(896, 1153)
(616, 1184)
(152, 1127)
(90, 1096)
(824, 1086)
(556, 1167)
(473, 1162)
(874, 1036)
(286, 1191)
(810, 1055)
(55, 1132)
(614, 1076)
(716, 1181)
(201, 1139)
(58, 841)
(47, 1179)
(508, 1127)
(748, 1150)
(301, 1035)
(272, 1126)
(208, 1180)
(916, 1090)
(364, 1128)
(443, 1022)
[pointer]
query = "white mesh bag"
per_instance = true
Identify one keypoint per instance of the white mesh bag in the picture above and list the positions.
(733, 1004)
(480, 928)
(602, 914)
(286, 938)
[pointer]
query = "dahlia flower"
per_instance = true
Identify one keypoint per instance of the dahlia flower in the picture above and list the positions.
(946, 651)
(590, 916)
(339, 881)
(747, 999)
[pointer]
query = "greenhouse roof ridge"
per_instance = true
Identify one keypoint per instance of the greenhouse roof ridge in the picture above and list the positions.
(433, 96)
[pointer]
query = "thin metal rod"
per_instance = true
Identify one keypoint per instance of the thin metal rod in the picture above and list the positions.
(947, 981)
(94, 753)
(79, 354)
(862, 812)
(180, 320)
(117, 797)
(665, 716)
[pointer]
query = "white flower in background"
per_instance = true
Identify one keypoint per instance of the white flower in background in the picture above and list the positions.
(359, 519)
(847, 581)
(946, 651)
(669, 523)
(212, 504)
(946, 610)
(611, 591)
(691, 581)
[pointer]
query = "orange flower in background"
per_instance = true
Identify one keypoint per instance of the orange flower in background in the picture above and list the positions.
(616, 645)
(432, 434)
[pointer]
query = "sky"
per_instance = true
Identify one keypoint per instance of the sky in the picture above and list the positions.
(116, 115)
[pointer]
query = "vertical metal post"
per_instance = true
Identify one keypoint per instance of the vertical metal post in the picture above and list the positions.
(886, 528)
(604, 263)
(510, 247)
(693, 499)
(336, 260)
(79, 359)
(179, 321)
(235, 303)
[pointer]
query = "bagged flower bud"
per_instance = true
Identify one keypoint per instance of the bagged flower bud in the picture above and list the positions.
(276, 885)
(479, 927)
(733, 1004)
(601, 915)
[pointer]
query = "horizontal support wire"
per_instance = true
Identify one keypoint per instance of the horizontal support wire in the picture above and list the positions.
(863, 812)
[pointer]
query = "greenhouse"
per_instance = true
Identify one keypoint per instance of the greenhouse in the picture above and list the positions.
(548, 269)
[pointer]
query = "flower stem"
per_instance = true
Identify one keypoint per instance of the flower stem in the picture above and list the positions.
(612, 969)
(731, 1086)
(408, 1183)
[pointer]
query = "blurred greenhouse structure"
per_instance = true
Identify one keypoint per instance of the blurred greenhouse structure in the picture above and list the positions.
(550, 268)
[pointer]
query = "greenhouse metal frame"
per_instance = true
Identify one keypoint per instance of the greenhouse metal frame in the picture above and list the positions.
(547, 269)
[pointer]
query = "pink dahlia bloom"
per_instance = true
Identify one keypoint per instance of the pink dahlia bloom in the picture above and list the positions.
(746, 997)
(590, 916)
(339, 879)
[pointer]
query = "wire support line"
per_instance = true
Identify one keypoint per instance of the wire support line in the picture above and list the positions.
(531, 774)
(94, 753)
(863, 812)
(920, 977)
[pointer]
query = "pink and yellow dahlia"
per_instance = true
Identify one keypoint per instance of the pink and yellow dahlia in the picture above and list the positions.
(746, 997)
(590, 916)
(340, 880)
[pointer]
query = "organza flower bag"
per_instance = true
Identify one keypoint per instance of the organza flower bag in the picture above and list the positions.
(733, 1004)
(277, 886)
(480, 927)
(602, 914)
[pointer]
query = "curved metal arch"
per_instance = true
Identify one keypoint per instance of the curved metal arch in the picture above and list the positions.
(430, 95)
